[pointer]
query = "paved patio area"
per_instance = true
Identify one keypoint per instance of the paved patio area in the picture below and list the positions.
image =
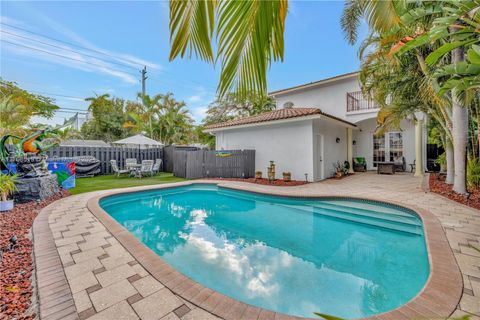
(84, 272)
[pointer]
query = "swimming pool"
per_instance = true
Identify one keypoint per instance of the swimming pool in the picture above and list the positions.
(344, 257)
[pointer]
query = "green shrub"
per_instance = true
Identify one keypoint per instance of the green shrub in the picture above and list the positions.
(7, 185)
(473, 173)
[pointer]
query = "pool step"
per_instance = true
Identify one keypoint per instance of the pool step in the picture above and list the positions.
(366, 205)
(374, 212)
(377, 222)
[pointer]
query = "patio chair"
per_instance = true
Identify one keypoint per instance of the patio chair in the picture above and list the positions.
(400, 164)
(359, 164)
(146, 169)
(130, 163)
(156, 166)
(116, 170)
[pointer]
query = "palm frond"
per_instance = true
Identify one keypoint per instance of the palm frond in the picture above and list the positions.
(350, 20)
(250, 36)
(191, 28)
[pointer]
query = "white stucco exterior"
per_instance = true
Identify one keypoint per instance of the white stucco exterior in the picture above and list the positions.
(312, 146)
(288, 144)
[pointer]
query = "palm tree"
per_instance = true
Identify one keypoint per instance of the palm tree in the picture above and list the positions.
(174, 120)
(455, 30)
(150, 108)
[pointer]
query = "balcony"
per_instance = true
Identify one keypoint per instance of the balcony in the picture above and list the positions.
(357, 102)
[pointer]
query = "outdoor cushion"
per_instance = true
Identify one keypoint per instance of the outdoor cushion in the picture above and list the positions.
(359, 160)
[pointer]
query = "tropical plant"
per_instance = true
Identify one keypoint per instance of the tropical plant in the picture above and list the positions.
(473, 173)
(175, 122)
(7, 185)
(455, 29)
(434, 33)
(248, 36)
(17, 107)
(108, 118)
(230, 107)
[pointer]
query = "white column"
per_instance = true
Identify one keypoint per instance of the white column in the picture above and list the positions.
(350, 149)
(418, 148)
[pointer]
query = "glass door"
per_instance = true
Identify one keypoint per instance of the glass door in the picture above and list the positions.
(395, 146)
(378, 149)
(387, 148)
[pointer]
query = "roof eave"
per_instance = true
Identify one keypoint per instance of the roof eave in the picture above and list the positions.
(313, 84)
(302, 118)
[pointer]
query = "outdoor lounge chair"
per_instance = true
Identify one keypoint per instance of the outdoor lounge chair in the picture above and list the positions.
(156, 166)
(400, 164)
(116, 170)
(146, 169)
(359, 164)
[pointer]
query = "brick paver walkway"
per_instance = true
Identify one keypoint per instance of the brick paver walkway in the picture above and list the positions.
(106, 282)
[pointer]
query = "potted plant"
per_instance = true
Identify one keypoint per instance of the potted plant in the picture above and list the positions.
(258, 174)
(338, 169)
(7, 187)
(287, 176)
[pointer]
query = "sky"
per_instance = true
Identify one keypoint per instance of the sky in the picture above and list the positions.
(69, 50)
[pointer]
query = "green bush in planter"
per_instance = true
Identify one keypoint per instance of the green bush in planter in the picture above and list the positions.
(7, 187)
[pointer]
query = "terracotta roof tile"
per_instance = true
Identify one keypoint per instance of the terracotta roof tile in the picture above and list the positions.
(275, 115)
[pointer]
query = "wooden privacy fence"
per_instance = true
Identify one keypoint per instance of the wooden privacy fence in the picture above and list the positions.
(169, 154)
(214, 164)
(105, 154)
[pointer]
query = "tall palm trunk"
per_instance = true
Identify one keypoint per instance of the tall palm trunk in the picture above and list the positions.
(460, 132)
(450, 161)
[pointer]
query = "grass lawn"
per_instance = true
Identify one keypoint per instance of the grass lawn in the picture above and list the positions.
(112, 182)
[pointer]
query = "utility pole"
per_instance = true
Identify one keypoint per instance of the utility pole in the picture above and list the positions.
(144, 78)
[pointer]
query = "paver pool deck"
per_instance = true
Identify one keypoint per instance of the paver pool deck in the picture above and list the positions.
(88, 266)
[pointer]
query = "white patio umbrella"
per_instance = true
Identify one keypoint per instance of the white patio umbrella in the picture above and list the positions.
(138, 140)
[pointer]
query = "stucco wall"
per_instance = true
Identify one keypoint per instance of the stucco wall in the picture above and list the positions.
(332, 151)
(364, 141)
(330, 98)
(288, 144)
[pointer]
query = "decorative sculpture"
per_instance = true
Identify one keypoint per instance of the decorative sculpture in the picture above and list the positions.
(26, 154)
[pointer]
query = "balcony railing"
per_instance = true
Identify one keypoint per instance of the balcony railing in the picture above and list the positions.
(357, 102)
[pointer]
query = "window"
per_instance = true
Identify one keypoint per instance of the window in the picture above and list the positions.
(387, 148)
(396, 146)
(378, 149)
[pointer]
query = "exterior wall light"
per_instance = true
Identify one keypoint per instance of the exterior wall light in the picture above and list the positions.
(337, 140)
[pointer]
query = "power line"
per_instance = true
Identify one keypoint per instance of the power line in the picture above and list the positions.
(97, 51)
(70, 43)
(57, 95)
(67, 49)
(62, 56)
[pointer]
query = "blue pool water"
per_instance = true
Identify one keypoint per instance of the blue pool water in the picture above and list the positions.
(346, 258)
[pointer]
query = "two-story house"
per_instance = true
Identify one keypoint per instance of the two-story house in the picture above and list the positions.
(318, 124)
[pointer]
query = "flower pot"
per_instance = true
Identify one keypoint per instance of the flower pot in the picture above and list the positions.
(287, 176)
(258, 175)
(6, 205)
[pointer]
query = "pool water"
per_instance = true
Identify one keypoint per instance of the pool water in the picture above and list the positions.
(347, 258)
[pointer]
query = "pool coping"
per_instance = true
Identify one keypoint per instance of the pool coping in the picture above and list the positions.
(438, 298)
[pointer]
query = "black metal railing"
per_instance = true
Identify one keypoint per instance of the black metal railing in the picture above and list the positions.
(356, 102)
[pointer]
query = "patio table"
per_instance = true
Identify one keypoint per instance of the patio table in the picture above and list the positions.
(385, 168)
(134, 169)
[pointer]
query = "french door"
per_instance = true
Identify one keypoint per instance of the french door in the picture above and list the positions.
(387, 148)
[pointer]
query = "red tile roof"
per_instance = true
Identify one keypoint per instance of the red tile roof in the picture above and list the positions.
(279, 114)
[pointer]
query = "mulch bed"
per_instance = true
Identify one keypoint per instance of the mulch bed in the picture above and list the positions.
(264, 181)
(16, 266)
(437, 184)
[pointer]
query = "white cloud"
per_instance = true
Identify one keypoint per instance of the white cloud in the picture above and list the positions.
(195, 98)
(199, 113)
(71, 56)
